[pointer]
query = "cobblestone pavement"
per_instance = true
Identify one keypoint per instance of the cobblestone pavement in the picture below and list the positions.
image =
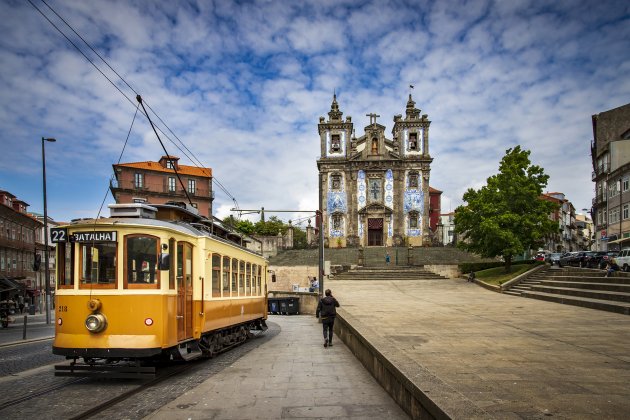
(27, 369)
(84, 394)
(512, 357)
(29, 355)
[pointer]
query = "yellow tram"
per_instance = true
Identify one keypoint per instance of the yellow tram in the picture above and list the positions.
(154, 282)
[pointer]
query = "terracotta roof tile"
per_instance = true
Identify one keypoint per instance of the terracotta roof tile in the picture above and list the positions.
(181, 169)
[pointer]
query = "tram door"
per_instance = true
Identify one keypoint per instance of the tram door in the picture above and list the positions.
(184, 291)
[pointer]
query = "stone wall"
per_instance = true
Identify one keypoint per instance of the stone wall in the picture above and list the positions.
(287, 276)
(450, 271)
(308, 301)
(414, 388)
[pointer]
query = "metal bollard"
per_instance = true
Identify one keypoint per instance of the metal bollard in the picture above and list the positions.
(24, 329)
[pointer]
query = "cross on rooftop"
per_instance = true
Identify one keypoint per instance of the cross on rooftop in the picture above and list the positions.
(373, 117)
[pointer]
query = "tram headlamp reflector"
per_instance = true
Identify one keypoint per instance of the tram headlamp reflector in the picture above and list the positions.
(95, 323)
(148, 322)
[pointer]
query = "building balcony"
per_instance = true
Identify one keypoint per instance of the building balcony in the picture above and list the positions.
(599, 199)
(16, 244)
(600, 170)
(160, 188)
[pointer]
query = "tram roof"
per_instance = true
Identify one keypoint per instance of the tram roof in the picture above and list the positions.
(178, 225)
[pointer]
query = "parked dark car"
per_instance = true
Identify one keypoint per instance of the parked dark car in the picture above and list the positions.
(565, 259)
(554, 257)
(598, 259)
(580, 258)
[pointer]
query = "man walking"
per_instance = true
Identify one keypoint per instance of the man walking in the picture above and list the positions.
(327, 309)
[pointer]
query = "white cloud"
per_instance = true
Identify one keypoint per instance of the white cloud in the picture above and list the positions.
(243, 86)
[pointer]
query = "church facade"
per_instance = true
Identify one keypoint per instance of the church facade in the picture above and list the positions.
(374, 190)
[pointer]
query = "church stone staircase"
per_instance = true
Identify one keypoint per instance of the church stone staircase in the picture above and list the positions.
(577, 286)
(387, 273)
(375, 256)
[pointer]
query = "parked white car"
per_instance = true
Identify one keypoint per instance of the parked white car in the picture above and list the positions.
(623, 259)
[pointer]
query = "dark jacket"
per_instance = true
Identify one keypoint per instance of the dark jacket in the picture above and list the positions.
(326, 307)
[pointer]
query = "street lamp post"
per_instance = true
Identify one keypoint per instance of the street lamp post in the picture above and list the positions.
(46, 268)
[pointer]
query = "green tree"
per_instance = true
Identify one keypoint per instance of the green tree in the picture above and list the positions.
(270, 227)
(243, 226)
(507, 216)
(299, 238)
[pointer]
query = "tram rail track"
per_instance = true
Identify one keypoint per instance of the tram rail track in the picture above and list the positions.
(39, 393)
(62, 398)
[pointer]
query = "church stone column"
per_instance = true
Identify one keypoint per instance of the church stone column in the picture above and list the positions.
(426, 241)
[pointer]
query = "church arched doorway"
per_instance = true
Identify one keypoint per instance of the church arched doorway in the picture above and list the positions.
(375, 231)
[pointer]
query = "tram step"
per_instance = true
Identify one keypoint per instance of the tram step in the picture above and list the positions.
(189, 351)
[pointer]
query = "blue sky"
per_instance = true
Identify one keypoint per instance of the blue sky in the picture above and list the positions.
(243, 84)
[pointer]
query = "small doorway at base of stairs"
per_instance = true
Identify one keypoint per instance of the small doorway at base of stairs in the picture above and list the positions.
(375, 232)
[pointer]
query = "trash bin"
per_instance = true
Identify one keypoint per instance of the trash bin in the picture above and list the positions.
(282, 303)
(293, 305)
(31, 310)
(272, 306)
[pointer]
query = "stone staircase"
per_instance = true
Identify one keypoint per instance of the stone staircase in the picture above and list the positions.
(387, 273)
(577, 286)
(375, 256)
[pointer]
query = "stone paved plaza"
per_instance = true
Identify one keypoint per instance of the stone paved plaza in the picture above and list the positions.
(503, 356)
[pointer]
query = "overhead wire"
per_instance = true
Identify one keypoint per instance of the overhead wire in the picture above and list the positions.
(190, 155)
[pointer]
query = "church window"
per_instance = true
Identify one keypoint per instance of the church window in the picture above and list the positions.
(375, 146)
(413, 180)
(413, 141)
(337, 221)
(336, 182)
(413, 220)
(375, 190)
(335, 143)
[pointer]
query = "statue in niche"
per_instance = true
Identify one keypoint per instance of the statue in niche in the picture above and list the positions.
(375, 146)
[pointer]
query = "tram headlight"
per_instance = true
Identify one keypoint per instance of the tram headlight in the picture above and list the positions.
(96, 323)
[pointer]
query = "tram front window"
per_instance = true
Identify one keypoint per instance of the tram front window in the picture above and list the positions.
(98, 263)
(141, 259)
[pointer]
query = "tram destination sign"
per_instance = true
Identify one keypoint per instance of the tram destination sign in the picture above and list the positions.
(61, 235)
(94, 236)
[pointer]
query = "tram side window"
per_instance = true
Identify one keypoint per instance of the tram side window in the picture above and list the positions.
(258, 284)
(65, 265)
(241, 279)
(216, 275)
(254, 288)
(234, 276)
(98, 263)
(248, 279)
(141, 254)
(226, 276)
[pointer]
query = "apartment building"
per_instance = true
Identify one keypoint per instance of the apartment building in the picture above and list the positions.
(162, 182)
(18, 250)
(610, 154)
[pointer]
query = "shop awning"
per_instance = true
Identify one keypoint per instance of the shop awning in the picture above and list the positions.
(619, 241)
(6, 285)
